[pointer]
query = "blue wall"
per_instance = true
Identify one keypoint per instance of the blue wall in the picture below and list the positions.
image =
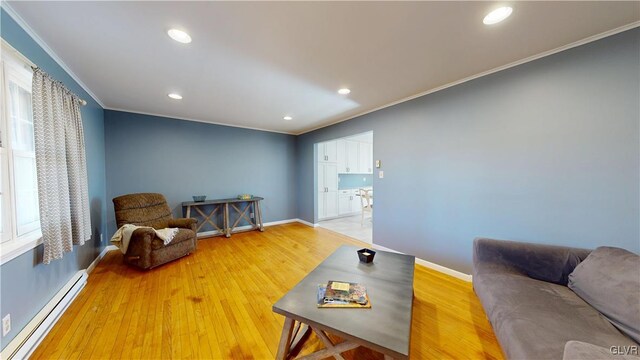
(546, 152)
(183, 158)
(26, 284)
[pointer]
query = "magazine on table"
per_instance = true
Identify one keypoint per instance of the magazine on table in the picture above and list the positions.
(337, 294)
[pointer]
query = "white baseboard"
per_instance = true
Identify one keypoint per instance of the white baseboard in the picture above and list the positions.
(280, 222)
(306, 223)
(25, 343)
(430, 265)
(247, 227)
(100, 256)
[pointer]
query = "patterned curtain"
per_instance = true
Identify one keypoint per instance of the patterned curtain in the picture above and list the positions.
(61, 167)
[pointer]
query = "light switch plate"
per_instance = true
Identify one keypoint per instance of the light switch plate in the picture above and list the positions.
(378, 164)
(6, 324)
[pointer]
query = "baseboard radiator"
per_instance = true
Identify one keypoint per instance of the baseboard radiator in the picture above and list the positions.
(25, 343)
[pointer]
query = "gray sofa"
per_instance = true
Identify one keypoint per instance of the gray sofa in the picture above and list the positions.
(524, 290)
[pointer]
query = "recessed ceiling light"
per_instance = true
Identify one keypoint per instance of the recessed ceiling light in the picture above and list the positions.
(497, 15)
(179, 36)
(344, 91)
(175, 96)
(288, 117)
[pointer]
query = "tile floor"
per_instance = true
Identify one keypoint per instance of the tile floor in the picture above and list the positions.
(352, 227)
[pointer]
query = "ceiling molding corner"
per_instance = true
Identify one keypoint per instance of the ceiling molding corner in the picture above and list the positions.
(574, 44)
(172, 117)
(25, 26)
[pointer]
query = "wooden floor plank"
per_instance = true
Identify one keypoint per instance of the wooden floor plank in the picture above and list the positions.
(216, 304)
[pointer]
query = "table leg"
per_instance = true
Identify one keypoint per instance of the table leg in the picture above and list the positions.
(285, 339)
(259, 215)
(227, 230)
(188, 211)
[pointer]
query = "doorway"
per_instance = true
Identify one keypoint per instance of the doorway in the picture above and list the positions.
(345, 185)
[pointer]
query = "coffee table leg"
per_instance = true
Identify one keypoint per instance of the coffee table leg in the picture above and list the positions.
(285, 339)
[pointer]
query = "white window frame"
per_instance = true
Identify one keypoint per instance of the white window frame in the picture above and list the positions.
(16, 67)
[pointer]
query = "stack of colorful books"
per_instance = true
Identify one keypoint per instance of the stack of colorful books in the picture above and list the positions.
(339, 294)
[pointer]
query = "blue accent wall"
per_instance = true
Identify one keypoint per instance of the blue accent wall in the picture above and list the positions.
(27, 284)
(546, 152)
(181, 158)
(354, 181)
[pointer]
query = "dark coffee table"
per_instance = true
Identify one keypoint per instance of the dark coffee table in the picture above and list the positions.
(385, 328)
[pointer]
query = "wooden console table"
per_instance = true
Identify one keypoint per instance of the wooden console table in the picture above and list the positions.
(222, 205)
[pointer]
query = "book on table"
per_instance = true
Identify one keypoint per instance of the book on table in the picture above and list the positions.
(340, 294)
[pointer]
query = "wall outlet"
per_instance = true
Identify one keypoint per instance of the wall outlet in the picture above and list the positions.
(251, 215)
(6, 324)
(101, 237)
(381, 174)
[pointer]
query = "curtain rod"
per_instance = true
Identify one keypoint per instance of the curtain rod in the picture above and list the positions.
(26, 60)
(81, 101)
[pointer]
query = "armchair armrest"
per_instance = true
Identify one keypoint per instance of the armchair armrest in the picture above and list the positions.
(543, 262)
(186, 223)
(139, 249)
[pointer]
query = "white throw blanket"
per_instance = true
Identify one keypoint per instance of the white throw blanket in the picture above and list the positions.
(123, 235)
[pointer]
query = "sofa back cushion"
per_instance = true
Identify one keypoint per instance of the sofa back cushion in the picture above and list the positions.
(609, 280)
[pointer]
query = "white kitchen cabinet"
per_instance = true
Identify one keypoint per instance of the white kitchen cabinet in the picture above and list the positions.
(356, 206)
(342, 156)
(327, 205)
(327, 177)
(344, 203)
(352, 156)
(348, 202)
(328, 151)
(348, 157)
(327, 190)
(365, 158)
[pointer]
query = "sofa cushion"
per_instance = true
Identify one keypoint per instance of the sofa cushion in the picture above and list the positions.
(578, 350)
(609, 280)
(534, 319)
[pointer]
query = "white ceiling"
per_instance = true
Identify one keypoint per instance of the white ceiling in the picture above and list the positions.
(252, 63)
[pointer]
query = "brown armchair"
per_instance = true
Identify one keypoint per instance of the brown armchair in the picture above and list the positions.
(145, 250)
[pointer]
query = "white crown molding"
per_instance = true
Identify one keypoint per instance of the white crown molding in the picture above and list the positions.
(25, 26)
(172, 117)
(489, 72)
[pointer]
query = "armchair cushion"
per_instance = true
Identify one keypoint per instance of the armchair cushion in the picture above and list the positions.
(181, 235)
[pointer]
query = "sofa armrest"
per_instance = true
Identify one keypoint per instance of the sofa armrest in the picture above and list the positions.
(543, 262)
(185, 223)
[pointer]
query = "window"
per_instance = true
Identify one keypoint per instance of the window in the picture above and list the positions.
(19, 213)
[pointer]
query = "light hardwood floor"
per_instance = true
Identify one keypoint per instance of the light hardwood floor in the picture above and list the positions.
(216, 304)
